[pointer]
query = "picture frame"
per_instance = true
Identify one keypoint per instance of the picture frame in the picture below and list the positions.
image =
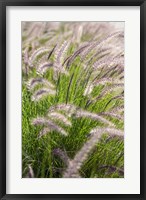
(4, 100)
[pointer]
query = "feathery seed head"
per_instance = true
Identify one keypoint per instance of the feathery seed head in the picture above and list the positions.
(39, 94)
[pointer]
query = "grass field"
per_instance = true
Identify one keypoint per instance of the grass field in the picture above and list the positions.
(72, 100)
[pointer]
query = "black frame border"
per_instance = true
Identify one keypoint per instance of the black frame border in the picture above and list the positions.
(3, 5)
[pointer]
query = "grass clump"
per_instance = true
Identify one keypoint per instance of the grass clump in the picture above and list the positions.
(72, 100)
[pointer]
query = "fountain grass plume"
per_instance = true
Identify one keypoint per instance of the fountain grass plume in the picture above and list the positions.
(74, 166)
(41, 93)
(48, 123)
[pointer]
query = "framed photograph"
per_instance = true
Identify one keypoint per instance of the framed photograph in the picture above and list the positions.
(72, 99)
